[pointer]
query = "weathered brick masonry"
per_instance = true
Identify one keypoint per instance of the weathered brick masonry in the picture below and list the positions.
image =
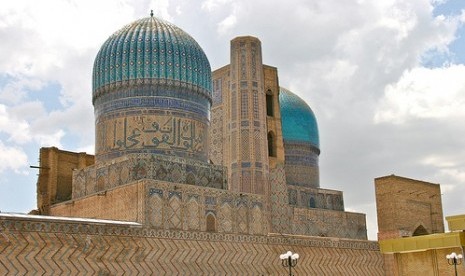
(56, 246)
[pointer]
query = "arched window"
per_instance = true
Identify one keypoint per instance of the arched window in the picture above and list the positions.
(271, 144)
(312, 203)
(211, 223)
(269, 103)
(420, 231)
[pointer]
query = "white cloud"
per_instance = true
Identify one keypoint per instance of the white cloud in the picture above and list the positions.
(227, 24)
(14, 123)
(424, 93)
(50, 139)
(16, 129)
(15, 90)
(39, 34)
(12, 158)
(213, 5)
(161, 9)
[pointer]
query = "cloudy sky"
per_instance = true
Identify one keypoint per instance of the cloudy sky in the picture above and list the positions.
(385, 78)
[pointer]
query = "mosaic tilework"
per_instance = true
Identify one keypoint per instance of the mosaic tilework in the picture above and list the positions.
(280, 210)
(217, 91)
(301, 163)
(247, 141)
(328, 223)
(243, 61)
(322, 198)
(253, 57)
(153, 72)
(35, 246)
(161, 97)
(245, 145)
(233, 105)
(244, 104)
(216, 136)
(162, 134)
(257, 140)
(177, 206)
(256, 106)
(226, 218)
(150, 49)
(134, 167)
(292, 196)
(298, 121)
(156, 213)
(193, 213)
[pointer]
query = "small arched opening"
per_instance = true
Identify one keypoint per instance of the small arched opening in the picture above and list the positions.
(312, 203)
(420, 231)
(211, 223)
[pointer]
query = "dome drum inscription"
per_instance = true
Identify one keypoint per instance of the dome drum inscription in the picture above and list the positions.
(162, 134)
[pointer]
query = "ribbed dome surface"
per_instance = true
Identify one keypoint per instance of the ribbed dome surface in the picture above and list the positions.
(298, 121)
(151, 50)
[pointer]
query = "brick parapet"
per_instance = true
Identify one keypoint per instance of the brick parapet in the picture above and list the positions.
(49, 247)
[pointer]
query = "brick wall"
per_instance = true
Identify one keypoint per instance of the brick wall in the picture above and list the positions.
(165, 205)
(430, 262)
(123, 203)
(42, 246)
(405, 205)
(55, 175)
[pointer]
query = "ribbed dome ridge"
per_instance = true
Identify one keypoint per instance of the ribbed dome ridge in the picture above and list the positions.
(151, 50)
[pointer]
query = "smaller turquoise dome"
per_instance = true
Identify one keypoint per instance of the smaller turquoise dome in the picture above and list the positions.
(298, 120)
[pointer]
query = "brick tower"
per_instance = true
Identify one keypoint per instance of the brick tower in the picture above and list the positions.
(246, 133)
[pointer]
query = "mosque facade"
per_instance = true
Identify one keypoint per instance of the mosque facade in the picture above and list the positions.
(185, 153)
(229, 151)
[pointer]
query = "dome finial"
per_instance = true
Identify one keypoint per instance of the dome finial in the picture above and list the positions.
(151, 13)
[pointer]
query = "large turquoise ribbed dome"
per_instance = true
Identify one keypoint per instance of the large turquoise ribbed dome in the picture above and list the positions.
(151, 51)
(151, 93)
(298, 120)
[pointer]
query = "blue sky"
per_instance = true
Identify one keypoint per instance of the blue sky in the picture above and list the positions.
(384, 78)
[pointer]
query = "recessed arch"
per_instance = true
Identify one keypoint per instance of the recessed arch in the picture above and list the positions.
(211, 222)
(420, 231)
(269, 103)
(271, 144)
(312, 202)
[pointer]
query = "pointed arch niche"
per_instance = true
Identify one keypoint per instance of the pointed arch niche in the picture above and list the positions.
(271, 144)
(211, 222)
(420, 231)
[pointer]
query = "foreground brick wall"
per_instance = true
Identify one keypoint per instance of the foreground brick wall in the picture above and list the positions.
(430, 262)
(125, 203)
(44, 246)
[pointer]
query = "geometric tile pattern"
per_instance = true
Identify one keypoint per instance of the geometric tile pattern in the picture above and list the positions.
(133, 167)
(172, 206)
(150, 49)
(321, 222)
(245, 127)
(31, 246)
(304, 197)
(280, 209)
(168, 130)
(216, 136)
(301, 159)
